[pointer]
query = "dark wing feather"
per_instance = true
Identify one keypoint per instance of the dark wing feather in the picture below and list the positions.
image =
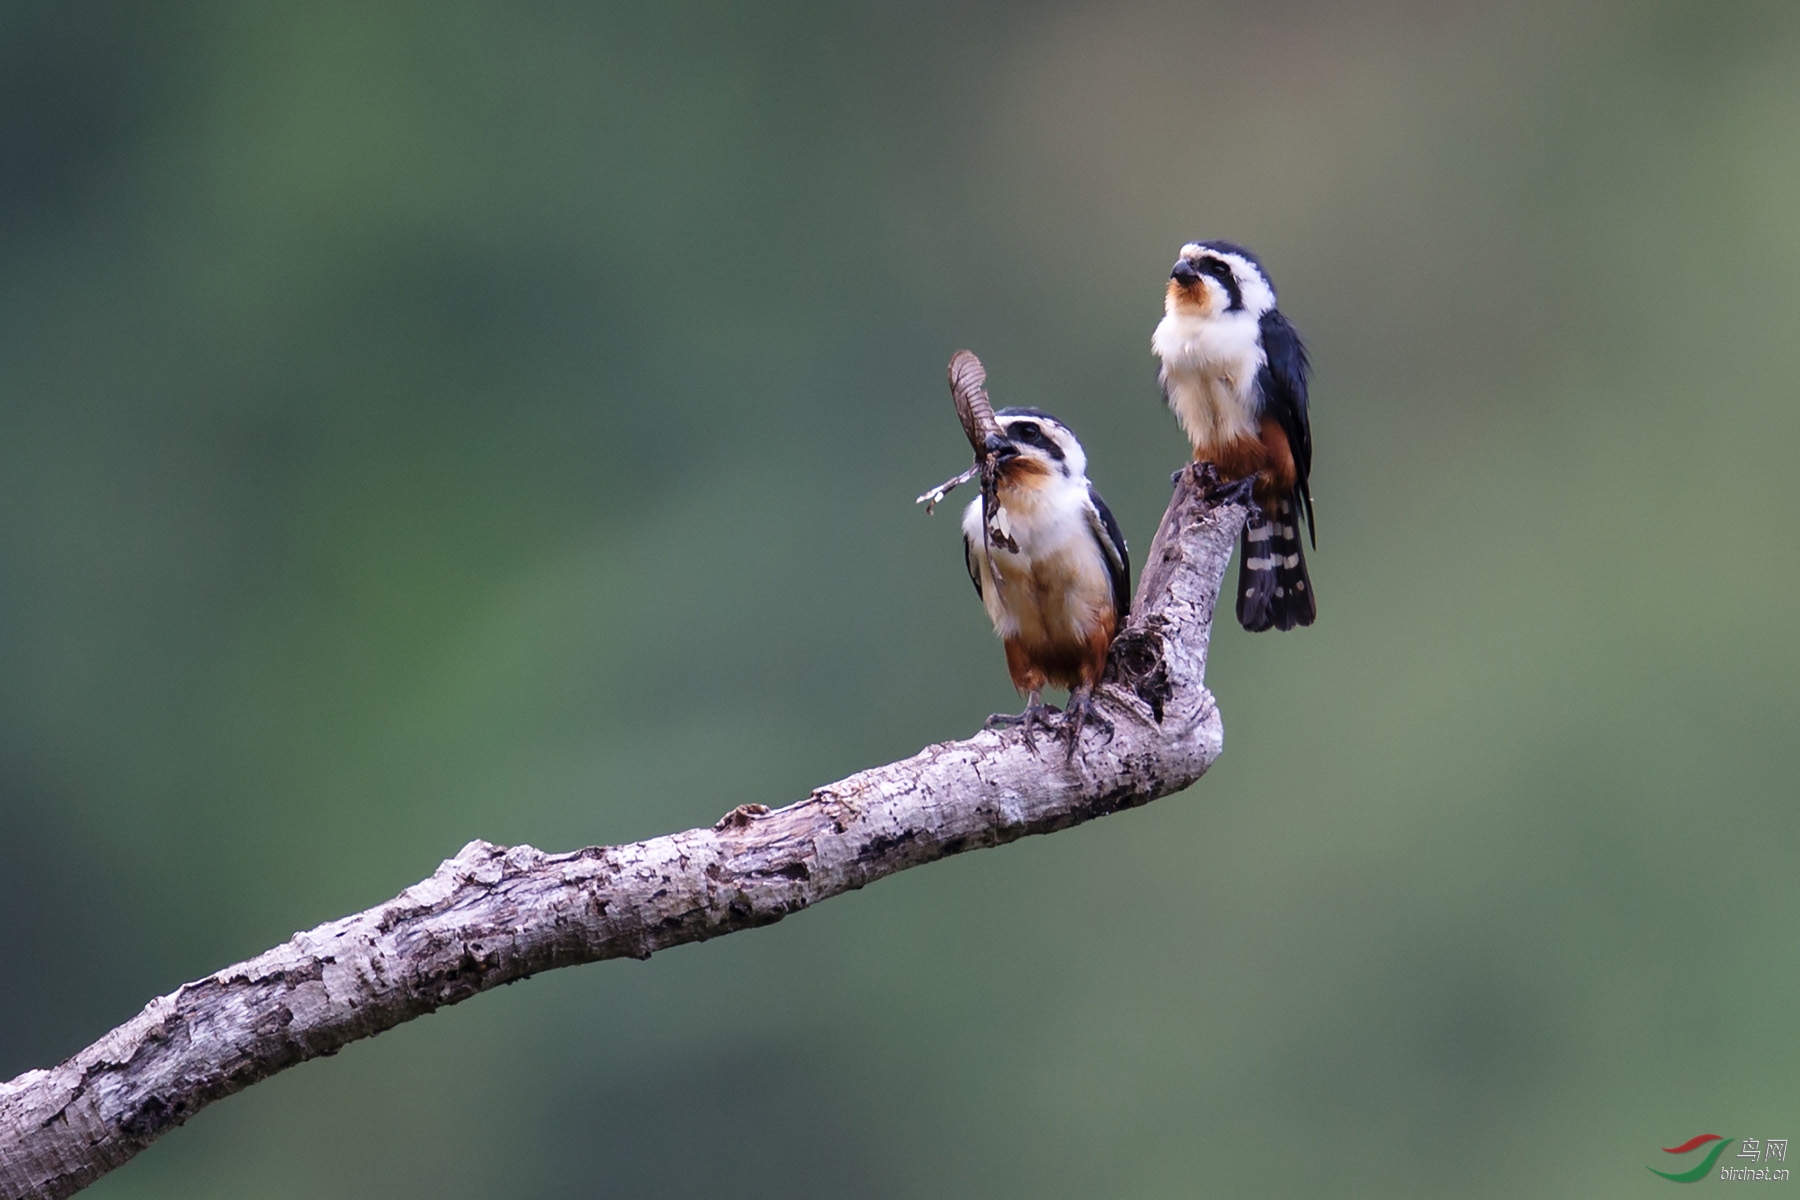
(1283, 383)
(969, 562)
(1114, 549)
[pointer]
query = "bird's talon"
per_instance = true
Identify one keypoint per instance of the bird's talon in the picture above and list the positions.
(1035, 717)
(1082, 714)
(1219, 492)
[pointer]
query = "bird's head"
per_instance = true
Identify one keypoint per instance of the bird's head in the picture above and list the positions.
(1035, 448)
(1211, 279)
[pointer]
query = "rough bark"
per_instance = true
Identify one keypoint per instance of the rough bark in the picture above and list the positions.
(493, 915)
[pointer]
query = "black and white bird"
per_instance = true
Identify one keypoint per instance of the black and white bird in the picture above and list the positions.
(1235, 372)
(1050, 565)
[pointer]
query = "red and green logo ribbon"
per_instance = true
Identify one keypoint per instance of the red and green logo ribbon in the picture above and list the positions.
(1706, 1164)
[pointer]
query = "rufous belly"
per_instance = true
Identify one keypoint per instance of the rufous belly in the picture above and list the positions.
(1265, 456)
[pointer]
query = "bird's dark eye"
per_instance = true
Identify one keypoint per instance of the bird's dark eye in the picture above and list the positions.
(1025, 431)
(1216, 267)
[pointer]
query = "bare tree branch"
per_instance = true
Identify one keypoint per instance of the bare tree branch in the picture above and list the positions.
(493, 915)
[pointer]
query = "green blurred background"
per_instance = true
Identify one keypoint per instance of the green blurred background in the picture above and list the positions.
(429, 421)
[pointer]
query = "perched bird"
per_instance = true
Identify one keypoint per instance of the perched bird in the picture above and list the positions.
(1049, 563)
(1235, 373)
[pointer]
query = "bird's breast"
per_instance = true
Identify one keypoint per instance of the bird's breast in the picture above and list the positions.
(1209, 370)
(1054, 600)
(1055, 588)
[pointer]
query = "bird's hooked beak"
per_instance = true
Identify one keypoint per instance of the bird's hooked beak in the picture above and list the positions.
(1000, 449)
(1185, 273)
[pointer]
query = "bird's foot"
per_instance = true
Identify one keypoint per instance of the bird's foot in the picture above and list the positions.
(1220, 492)
(1204, 472)
(1215, 490)
(1036, 716)
(1083, 712)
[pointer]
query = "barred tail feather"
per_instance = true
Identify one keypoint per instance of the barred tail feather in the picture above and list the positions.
(1273, 590)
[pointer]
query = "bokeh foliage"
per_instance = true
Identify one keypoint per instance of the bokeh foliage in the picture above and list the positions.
(423, 422)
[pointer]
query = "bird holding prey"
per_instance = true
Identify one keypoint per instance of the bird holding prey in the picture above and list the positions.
(1235, 371)
(1045, 555)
